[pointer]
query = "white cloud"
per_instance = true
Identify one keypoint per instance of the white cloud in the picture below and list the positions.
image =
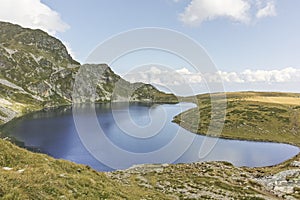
(202, 10)
(32, 14)
(230, 77)
(199, 11)
(268, 11)
(272, 76)
(183, 71)
(167, 77)
(157, 75)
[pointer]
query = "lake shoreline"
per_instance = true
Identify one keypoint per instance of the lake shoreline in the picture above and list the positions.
(46, 109)
(69, 106)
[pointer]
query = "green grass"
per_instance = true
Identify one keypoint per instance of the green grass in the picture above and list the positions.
(47, 178)
(247, 120)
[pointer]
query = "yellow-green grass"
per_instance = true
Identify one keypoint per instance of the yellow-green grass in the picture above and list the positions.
(249, 116)
(276, 100)
(38, 176)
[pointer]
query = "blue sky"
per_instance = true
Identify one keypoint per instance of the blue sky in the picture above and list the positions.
(239, 35)
(268, 43)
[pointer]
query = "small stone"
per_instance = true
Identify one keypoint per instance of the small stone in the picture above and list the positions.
(284, 189)
(21, 171)
(7, 168)
(295, 164)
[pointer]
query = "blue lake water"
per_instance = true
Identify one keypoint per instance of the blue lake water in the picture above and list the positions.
(118, 135)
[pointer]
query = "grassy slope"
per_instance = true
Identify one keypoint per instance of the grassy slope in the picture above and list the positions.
(209, 180)
(38, 176)
(46, 178)
(250, 116)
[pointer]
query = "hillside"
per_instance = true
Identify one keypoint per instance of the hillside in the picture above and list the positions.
(26, 175)
(36, 71)
(260, 116)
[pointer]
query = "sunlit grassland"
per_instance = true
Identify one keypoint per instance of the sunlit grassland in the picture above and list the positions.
(249, 116)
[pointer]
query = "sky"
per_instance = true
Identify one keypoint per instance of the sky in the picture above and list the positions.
(254, 44)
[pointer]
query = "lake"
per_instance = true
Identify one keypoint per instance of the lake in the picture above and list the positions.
(111, 136)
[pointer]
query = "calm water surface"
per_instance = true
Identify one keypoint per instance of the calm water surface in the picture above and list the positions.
(133, 134)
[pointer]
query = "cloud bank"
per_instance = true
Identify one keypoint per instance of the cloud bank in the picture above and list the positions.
(198, 11)
(32, 14)
(163, 76)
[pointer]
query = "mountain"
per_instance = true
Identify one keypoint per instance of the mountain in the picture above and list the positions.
(36, 71)
(98, 83)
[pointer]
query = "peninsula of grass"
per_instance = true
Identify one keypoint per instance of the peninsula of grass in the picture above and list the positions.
(255, 116)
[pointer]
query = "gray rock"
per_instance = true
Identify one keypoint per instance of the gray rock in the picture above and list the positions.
(282, 183)
(295, 164)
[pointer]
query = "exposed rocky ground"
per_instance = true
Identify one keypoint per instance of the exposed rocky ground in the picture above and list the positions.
(285, 184)
(213, 180)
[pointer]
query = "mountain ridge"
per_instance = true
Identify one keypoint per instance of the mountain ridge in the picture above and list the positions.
(36, 71)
